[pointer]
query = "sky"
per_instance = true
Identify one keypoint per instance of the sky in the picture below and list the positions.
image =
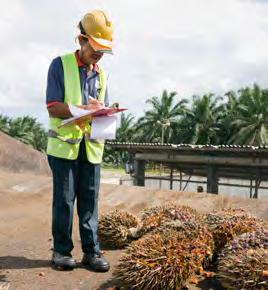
(187, 46)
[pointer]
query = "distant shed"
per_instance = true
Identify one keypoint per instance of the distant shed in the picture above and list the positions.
(213, 162)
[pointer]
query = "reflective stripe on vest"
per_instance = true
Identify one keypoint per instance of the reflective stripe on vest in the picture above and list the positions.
(99, 141)
(54, 134)
(64, 142)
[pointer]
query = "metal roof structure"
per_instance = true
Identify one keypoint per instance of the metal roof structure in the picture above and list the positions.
(212, 161)
(190, 147)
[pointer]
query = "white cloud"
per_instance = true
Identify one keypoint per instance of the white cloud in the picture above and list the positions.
(191, 46)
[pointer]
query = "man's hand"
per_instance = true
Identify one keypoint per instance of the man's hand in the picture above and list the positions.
(61, 110)
(93, 104)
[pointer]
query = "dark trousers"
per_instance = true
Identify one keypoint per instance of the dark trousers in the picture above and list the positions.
(75, 179)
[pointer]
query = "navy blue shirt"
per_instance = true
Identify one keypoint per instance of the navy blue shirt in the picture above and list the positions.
(89, 82)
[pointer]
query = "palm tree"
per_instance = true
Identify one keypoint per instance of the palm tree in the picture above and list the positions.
(27, 130)
(40, 136)
(199, 124)
(124, 132)
(159, 122)
(228, 113)
(20, 129)
(251, 124)
(4, 124)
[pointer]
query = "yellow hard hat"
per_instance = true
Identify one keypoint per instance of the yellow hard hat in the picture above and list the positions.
(98, 29)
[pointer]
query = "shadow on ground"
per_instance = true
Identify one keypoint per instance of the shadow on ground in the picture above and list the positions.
(210, 284)
(13, 262)
(4, 283)
(111, 283)
(3, 278)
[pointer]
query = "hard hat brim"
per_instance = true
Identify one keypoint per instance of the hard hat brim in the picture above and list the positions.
(101, 45)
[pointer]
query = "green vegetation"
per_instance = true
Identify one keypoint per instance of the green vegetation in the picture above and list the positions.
(161, 120)
(239, 118)
(26, 129)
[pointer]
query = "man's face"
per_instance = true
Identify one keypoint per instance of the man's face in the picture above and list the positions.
(89, 55)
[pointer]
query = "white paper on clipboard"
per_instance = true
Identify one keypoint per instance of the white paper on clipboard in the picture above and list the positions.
(103, 127)
(78, 112)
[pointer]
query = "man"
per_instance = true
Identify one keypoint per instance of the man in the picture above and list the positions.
(76, 80)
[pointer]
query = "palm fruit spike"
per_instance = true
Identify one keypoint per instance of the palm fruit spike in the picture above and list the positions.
(244, 269)
(196, 232)
(257, 239)
(171, 210)
(153, 217)
(227, 224)
(116, 229)
(216, 217)
(157, 261)
(235, 226)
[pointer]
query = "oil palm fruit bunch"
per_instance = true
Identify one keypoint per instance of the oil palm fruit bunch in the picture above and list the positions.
(253, 240)
(153, 217)
(226, 231)
(157, 261)
(216, 217)
(227, 224)
(198, 233)
(244, 269)
(117, 229)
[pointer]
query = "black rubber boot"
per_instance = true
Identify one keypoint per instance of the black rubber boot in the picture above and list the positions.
(63, 261)
(96, 262)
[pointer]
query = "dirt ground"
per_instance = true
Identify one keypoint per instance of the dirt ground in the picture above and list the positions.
(25, 248)
(25, 238)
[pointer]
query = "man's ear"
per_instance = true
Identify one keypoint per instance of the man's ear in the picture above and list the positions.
(80, 39)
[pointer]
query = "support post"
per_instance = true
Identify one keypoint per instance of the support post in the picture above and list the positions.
(160, 174)
(180, 179)
(212, 179)
(139, 172)
(250, 191)
(171, 177)
(257, 183)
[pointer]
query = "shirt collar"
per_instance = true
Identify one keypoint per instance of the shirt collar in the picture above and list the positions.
(81, 64)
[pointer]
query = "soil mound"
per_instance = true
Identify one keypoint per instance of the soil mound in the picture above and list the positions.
(18, 157)
(134, 199)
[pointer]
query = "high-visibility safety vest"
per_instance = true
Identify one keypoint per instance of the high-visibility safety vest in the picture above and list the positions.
(64, 142)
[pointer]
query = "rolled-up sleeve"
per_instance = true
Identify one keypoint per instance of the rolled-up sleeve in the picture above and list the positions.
(55, 82)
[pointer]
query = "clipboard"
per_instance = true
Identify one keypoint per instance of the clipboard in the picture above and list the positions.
(87, 115)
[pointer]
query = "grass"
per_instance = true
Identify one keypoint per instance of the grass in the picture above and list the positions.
(120, 169)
